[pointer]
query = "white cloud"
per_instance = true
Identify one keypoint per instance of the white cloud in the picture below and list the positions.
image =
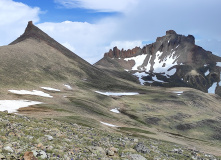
(85, 39)
(99, 5)
(69, 46)
(13, 19)
(125, 44)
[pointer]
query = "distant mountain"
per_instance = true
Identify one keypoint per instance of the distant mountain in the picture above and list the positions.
(35, 57)
(172, 61)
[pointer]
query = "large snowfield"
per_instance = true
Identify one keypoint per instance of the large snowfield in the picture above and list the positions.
(13, 105)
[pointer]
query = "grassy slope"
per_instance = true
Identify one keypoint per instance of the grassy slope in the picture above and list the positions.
(156, 111)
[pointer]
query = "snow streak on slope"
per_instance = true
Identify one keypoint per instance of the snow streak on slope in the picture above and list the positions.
(50, 89)
(117, 94)
(34, 92)
(108, 124)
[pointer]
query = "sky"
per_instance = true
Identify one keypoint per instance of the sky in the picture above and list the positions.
(91, 27)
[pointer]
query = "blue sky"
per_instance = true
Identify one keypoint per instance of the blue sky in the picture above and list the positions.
(55, 12)
(91, 27)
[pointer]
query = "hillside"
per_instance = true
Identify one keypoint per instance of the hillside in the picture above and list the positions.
(29, 138)
(172, 61)
(36, 58)
(56, 93)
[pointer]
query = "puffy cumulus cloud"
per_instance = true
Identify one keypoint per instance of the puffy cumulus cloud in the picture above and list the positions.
(85, 39)
(13, 19)
(99, 5)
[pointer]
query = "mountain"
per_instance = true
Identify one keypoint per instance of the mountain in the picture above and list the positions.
(62, 90)
(172, 61)
(36, 58)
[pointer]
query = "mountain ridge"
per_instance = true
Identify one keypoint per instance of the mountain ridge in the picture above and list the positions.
(175, 60)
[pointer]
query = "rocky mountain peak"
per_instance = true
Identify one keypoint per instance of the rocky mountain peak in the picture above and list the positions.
(33, 32)
(117, 53)
(170, 32)
(29, 26)
(169, 62)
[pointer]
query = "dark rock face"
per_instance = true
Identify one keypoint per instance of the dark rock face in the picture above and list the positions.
(170, 32)
(172, 61)
(116, 53)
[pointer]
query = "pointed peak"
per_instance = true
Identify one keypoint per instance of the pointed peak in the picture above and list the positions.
(30, 23)
(33, 32)
(29, 26)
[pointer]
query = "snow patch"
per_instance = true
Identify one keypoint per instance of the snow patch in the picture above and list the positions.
(179, 93)
(50, 89)
(115, 110)
(138, 60)
(117, 94)
(108, 124)
(171, 72)
(34, 92)
(67, 86)
(207, 73)
(157, 80)
(140, 75)
(218, 64)
(212, 88)
(13, 105)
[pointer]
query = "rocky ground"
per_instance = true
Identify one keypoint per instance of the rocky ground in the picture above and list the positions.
(22, 137)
